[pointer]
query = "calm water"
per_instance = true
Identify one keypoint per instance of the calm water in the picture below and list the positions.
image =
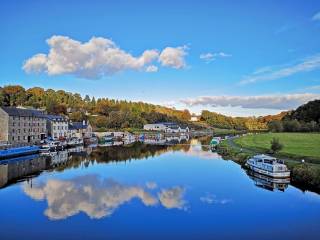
(149, 191)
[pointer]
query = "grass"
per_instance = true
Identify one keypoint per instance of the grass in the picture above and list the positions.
(295, 145)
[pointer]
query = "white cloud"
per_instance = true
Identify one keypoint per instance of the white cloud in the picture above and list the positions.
(316, 87)
(306, 65)
(173, 57)
(280, 102)
(209, 57)
(97, 58)
(152, 68)
(316, 17)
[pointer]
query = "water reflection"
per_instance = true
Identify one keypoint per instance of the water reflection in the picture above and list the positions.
(269, 183)
(210, 198)
(97, 197)
(21, 168)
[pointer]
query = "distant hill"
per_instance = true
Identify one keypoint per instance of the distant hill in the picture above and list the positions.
(307, 112)
(240, 123)
(103, 113)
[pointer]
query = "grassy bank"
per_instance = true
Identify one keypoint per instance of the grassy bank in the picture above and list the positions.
(295, 145)
(306, 176)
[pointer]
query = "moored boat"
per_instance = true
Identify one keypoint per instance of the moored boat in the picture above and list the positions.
(18, 151)
(269, 166)
(214, 142)
(75, 142)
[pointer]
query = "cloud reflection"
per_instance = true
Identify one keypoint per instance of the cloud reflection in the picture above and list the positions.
(96, 197)
(212, 199)
(172, 198)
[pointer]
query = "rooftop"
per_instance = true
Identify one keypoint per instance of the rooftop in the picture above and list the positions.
(56, 117)
(22, 112)
(77, 125)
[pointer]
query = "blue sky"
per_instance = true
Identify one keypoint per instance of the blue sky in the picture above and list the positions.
(235, 57)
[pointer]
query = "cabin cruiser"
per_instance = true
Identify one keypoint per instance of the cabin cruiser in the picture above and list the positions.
(75, 142)
(51, 145)
(269, 166)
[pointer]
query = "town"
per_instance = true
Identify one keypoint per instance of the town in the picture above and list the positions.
(26, 131)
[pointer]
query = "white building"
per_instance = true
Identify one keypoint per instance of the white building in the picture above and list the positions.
(167, 127)
(194, 118)
(57, 126)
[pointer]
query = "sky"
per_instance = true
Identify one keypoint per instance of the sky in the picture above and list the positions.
(239, 58)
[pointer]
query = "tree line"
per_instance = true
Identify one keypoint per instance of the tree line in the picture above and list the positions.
(103, 113)
(305, 118)
(238, 123)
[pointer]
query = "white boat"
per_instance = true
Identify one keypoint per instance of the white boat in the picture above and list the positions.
(269, 166)
(52, 145)
(75, 142)
(44, 150)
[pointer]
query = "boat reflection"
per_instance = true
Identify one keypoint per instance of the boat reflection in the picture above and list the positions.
(268, 183)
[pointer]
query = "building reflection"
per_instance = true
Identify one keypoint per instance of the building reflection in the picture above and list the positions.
(21, 168)
(268, 183)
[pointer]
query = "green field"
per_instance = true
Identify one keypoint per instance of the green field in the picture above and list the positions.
(296, 145)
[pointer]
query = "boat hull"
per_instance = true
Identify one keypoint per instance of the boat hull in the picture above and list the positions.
(16, 152)
(284, 174)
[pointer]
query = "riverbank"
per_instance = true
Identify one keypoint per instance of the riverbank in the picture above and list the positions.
(296, 146)
(305, 175)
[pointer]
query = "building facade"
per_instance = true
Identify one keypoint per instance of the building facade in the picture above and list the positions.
(18, 125)
(80, 129)
(57, 126)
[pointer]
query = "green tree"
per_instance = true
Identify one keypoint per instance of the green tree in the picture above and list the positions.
(275, 126)
(276, 145)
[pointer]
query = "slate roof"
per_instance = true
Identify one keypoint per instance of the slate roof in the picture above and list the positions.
(20, 112)
(56, 118)
(77, 125)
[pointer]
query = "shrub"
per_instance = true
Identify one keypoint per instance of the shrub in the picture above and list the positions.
(276, 145)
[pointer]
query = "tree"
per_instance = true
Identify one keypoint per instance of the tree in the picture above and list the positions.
(276, 145)
(13, 95)
(101, 121)
(291, 125)
(275, 126)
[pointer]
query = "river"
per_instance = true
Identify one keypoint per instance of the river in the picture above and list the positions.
(182, 191)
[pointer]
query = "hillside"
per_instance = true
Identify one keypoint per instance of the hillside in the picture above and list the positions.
(307, 112)
(240, 123)
(105, 113)
(102, 112)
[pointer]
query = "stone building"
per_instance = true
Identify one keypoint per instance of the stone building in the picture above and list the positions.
(18, 125)
(80, 129)
(57, 126)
